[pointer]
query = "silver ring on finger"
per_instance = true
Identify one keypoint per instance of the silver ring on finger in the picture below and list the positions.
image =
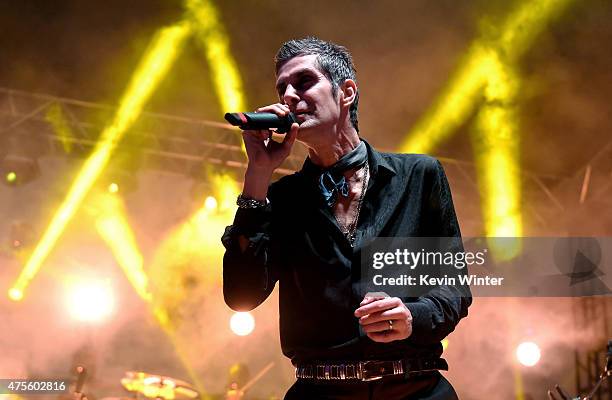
(390, 324)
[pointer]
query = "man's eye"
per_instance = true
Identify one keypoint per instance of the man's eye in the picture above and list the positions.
(304, 82)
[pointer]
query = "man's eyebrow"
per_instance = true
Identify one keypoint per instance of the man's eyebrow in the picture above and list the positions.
(297, 74)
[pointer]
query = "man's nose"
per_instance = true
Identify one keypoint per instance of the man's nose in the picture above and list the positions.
(290, 97)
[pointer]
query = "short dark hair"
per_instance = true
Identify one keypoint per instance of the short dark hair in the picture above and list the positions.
(333, 60)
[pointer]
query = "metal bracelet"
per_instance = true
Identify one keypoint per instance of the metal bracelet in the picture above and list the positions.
(246, 202)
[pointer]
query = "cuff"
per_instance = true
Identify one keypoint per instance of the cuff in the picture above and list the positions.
(422, 324)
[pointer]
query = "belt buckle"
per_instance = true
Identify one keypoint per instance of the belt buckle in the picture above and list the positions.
(362, 372)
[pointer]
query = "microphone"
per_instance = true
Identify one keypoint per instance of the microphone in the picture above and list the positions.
(259, 121)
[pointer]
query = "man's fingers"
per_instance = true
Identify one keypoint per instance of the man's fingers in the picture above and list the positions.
(395, 313)
(382, 326)
(378, 305)
(367, 300)
(259, 135)
(278, 109)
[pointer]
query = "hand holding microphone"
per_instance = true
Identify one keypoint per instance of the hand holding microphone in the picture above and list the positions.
(264, 155)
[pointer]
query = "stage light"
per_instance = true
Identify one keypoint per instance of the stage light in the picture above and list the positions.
(15, 294)
(121, 173)
(11, 177)
(528, 354)
(210, 203)
(19, 169)
(242, 323)
(91, 301)
(155, 64)
(219, 191)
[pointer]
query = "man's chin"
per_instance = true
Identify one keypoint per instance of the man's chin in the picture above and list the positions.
(306, 129)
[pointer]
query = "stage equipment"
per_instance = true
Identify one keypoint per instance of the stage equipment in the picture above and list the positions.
(157, 386)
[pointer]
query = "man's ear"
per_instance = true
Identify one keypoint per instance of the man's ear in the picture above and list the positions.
(349, 92)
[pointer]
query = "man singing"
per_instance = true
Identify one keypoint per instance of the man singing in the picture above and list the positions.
(306, 231)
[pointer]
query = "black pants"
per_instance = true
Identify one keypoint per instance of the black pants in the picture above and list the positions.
(431, 386)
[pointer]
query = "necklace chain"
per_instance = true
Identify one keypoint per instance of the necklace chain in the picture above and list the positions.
(350, 229)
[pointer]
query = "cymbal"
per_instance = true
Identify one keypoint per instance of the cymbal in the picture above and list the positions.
(158, 386)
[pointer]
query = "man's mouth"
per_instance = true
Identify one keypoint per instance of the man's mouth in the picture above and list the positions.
(301, 114)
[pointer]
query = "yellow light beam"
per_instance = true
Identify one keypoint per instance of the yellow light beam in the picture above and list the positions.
(191, 251)
(211, 35)
(457, 101)
(182, 352)
(496, 142)
(453, 106)
(113, 226)
(156, 62)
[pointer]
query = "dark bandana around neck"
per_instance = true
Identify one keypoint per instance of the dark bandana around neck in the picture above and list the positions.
(332, 181)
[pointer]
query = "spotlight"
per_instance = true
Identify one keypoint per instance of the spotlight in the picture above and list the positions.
(15, 294)
(18, 170)
(242, 323)
(91, 301)
(113, 187)
(11, 177)
(116, 180)
(210, 203)
(19, 155)
(528, 353)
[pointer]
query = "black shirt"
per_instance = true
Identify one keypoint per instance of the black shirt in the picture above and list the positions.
(296, 241)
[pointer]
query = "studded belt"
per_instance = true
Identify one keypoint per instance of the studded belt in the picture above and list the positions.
(369, 370)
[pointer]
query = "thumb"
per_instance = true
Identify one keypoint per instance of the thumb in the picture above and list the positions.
(367, 300)
(291, 135)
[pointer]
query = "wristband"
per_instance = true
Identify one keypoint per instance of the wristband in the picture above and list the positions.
(246, 202)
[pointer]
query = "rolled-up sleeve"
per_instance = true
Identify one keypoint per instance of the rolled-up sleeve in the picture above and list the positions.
(248, 276)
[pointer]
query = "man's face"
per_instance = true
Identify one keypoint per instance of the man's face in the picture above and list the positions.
(308, 93)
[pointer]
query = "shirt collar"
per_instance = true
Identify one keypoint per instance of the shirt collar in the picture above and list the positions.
(378, 163)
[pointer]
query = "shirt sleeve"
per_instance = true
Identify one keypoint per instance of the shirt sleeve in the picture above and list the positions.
(248, 277)
(436, 313)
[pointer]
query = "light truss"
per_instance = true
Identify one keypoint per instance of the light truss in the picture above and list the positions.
(185, 145)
